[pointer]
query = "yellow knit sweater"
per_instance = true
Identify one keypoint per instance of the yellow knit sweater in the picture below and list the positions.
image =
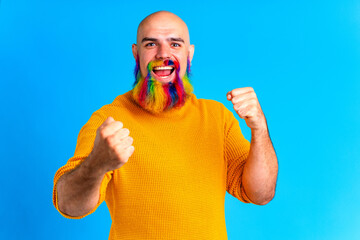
(173, 186)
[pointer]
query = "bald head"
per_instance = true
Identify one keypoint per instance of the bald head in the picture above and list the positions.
(163, 36)
(163, 20)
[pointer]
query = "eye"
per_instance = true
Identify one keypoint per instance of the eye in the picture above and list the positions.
(151, 44)
(175, 45)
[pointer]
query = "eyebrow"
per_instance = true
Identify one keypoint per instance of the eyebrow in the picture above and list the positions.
(146, 39)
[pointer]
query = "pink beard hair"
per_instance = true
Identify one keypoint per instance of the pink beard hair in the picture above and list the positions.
(157, 97)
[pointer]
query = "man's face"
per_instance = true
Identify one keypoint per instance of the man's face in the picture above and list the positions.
(163, 37)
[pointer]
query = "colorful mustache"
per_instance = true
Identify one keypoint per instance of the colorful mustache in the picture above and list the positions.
(156, 63)
(156, 96)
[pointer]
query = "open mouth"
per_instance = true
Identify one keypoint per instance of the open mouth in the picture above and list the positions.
(163, 71)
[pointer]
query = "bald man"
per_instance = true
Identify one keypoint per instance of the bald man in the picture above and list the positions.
(163, 159)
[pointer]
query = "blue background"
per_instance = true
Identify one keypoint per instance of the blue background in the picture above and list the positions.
(62, 60)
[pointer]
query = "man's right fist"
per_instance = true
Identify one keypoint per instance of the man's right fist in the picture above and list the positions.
(112, 147)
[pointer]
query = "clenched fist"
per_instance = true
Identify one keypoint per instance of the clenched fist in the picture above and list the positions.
(112, 147)
(247, 106)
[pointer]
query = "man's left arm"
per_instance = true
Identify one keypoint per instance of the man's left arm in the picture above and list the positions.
(261, 167)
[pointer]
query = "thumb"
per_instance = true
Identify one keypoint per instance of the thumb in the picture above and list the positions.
(228, 96)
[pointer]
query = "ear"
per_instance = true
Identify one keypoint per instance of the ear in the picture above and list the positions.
(135, 51)
(191, 52)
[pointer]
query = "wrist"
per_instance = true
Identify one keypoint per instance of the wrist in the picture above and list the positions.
(89, 170)
(259, 133)
(261, 129)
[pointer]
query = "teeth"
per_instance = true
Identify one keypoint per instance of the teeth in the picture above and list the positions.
(163, 68)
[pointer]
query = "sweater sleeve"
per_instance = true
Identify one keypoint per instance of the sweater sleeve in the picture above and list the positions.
(236, 150)
(84, 146)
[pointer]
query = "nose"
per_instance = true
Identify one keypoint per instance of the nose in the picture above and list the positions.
(163, 52)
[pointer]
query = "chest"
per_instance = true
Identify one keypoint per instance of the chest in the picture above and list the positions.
(190, 148)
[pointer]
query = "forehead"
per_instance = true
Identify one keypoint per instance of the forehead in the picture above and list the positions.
(163, 28)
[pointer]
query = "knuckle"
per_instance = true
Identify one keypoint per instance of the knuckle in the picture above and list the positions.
(125, 159)
(102, 133)
(125, 132)
(118, 150)
(127, 141)
(119, 124)
(122, 156)
(129, 151)
(116, 125)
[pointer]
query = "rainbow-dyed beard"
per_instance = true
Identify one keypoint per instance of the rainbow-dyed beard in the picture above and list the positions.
(157, 97)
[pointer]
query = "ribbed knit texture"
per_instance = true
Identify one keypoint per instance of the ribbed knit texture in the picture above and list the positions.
(173, 186)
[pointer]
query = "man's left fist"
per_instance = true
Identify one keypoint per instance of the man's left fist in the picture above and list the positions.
(248, 107)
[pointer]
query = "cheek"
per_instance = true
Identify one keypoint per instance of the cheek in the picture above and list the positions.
(146, 56)
(181, 57)
(143, 66)
(143, 70)
(183, 66)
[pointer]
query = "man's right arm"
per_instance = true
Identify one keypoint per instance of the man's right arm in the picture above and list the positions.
(78, 191)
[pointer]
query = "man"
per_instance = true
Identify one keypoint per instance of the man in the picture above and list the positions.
(163, 159)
